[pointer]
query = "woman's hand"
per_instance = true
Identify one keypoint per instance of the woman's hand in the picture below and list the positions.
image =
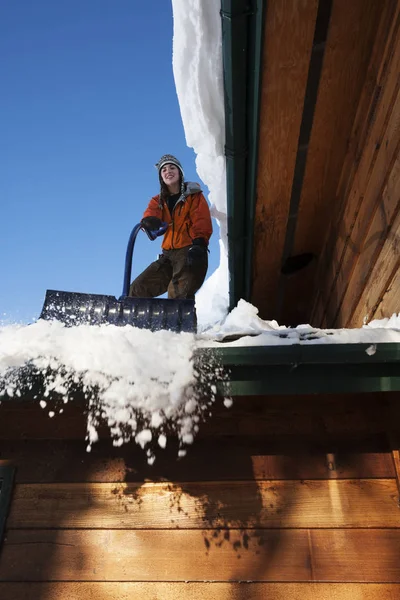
(151, 223)
(197, 252)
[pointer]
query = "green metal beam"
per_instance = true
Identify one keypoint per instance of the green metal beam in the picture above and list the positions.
(310, 369)
(242, 43)
(309, 353)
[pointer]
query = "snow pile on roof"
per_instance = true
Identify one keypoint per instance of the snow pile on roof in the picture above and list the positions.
(245, 328)
(198, 73)
(146, 384)
(142, 384)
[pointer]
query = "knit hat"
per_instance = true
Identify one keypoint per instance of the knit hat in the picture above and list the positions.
(169, 159)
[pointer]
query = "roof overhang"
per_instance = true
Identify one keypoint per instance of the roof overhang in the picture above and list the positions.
(311, 105)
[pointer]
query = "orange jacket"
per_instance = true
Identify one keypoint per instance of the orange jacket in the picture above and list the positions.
(190, 218)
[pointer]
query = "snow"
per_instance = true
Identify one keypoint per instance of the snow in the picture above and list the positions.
(136, 381)
(162, 440)
(198, 73)
(145, 385)
(244, 324)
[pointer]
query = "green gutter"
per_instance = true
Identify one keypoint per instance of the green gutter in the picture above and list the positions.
(242, 44)
(310, 369)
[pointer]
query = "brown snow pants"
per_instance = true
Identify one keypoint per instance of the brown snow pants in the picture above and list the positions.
(170, 273)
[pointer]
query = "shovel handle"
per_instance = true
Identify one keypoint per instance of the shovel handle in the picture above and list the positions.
(129, 253)
(152, 235)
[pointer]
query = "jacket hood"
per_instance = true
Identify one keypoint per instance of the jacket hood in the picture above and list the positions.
(191, 187)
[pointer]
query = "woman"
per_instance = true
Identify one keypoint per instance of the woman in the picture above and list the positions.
(181, 268)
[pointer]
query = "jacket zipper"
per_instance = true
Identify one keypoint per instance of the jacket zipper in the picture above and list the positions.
(173, 224)
(188, 232)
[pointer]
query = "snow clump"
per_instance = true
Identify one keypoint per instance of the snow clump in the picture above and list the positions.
(142, 385)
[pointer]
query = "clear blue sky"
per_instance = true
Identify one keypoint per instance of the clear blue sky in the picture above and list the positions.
(87, 106)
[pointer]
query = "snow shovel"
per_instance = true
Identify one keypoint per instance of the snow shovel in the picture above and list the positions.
(72, 308)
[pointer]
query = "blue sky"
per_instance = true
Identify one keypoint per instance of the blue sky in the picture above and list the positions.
(87, 106)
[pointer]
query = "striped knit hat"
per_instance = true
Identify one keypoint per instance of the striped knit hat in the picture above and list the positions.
(168, 159)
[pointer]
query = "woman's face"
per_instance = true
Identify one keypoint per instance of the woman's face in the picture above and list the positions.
(170, 174)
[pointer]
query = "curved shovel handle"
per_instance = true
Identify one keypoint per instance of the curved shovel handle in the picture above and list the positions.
(152, 235)
(129, 252)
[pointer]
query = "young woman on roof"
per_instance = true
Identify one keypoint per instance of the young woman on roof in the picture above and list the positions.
(181, 268)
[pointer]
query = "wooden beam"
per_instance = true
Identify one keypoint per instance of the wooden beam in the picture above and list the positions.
(379, 229)
(389, 303)
(314, 418)
(351, 35)
(289, 32)
(324, 555)
(381, 278)
(270, 504)
(372, 88)
(367, 203)
(240, 458)
(198, 591)
(363, 192)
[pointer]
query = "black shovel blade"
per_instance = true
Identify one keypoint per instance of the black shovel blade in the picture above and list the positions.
(73, 308)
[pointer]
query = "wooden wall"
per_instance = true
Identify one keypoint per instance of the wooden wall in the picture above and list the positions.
(290, 28)
(359, 267)
(281, 497)
(346, 214)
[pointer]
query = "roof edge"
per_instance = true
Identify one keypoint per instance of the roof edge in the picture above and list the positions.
(242, 44)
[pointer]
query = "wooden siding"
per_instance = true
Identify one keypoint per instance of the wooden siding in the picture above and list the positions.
(267, 504)
(198, 591)
(362, 256)
(265, 507)
(318, 420)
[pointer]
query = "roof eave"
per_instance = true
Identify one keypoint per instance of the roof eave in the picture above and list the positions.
(242, 44)
(311, 369)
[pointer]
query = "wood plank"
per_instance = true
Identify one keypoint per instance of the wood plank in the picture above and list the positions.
(239, 458)
(396, 463)
(68, 555)
(375, 77)
(313, 419)
(198, 591)
(352, 31)
(374, 80)
(379, 230)
(360, 213)
(289, 32)
(274, 504)
(386, 91)
(26, 420)
(329, 555)
(382, 275)
(390, 303)
(361, 556)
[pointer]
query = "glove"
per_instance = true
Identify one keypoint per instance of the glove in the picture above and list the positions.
(197, 252)
(151, 223)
